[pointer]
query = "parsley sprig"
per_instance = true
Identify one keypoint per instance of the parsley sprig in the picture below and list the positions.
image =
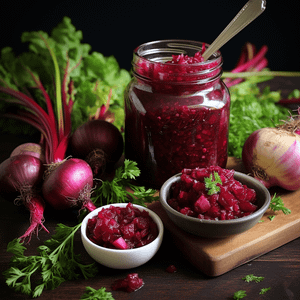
(55, 263)
(251, 277)
(239, 295)
(277, 205)
(211, 183)
(92, 294)
(122, 189)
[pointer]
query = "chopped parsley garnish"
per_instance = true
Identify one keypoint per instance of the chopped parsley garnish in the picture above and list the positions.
(211, 183)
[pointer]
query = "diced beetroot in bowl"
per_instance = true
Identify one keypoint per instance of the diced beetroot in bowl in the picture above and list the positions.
(213, 194)
(122, 228)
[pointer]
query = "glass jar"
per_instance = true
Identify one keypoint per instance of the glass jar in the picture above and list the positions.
(176, 114)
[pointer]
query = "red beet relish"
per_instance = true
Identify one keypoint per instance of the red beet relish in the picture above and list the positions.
(131, 283)
(190, 195)
(177, 112)
(122, 227)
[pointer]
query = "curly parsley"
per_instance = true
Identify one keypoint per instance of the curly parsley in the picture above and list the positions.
(121, 189)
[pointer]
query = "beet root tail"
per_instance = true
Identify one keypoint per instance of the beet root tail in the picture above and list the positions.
(36, 206)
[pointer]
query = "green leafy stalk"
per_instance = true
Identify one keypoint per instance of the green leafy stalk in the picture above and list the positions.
(56, 263)
(60, 118)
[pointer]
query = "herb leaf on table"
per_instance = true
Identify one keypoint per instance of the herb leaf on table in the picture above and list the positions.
(251, 277)
(92, 294)
(55, 263)
(239, 295)
(277, 205)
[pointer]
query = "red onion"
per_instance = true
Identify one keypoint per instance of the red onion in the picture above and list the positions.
(33, 149)
(98, 142)
(21, 174)
(272, 155)
(69, 185)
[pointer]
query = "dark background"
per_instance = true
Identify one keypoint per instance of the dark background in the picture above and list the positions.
(117, 27)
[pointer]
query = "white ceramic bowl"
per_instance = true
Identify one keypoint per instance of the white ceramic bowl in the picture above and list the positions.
(117, 258)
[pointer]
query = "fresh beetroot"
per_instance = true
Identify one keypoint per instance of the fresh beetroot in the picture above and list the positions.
(122, 228)
(69, 185)
(22, 174)
(98, 142)
(131, 283)
(212, 193)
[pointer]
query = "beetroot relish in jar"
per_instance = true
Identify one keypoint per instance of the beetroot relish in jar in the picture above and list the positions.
(177, 110)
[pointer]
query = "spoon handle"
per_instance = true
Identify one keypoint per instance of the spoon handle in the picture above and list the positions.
(250, 11)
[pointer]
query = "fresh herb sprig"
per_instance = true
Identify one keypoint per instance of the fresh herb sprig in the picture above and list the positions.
(121, 189)
(278, 205)
(251, 277)
(264, 290)
(239, 295)
(211, 183)
(92, 294)
(55, 263)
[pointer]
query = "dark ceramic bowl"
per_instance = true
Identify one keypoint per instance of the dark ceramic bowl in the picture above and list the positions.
(222, 228)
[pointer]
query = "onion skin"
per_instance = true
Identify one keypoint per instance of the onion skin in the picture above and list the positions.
(69, 185)
(33, 149)
(101, 136)
(272, 156)
(19, 171)
(22, 174)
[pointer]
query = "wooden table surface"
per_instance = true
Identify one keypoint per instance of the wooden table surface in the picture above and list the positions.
(280, 267)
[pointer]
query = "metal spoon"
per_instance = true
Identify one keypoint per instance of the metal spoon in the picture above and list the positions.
(250, 11)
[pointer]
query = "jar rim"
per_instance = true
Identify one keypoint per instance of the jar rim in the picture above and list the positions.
(173, 47)
(151, 62)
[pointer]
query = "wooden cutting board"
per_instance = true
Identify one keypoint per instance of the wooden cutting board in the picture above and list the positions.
(215, 257)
